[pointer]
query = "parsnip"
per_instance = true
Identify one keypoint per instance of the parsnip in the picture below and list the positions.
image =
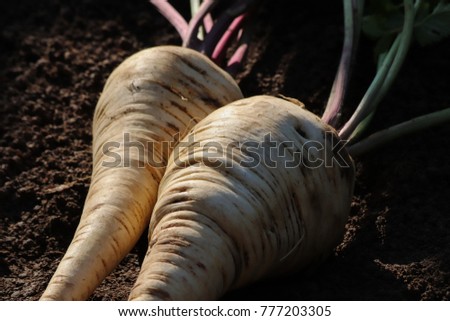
(234, 207)
(151, 97)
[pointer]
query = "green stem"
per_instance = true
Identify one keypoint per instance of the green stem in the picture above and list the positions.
(366, 106)
(191, 40)
(352, 25)
(385, 75)
(405, 128)
(195, 6)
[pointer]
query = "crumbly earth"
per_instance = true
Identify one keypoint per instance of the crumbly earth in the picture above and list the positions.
(55, 57)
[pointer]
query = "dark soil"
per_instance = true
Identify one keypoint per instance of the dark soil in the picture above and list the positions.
(55, 57)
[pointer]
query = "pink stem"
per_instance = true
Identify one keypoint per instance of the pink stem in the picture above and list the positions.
(222, 45)
(191, 40)
(236, 59)
(208, 23)
(173, 16)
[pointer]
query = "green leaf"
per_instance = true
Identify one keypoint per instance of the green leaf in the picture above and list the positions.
(435, 26)
(373, 26)
(384, 18)
(376, 26)
(381, 49)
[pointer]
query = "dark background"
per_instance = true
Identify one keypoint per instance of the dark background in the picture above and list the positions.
(55, 57)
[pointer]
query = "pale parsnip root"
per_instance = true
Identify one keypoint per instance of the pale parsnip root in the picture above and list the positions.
(152, 96)
(215, 228)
